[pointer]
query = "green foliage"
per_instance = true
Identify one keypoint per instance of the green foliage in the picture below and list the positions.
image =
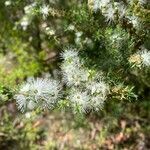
(19, 133)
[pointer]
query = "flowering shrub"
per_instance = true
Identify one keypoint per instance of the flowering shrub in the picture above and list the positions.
(108, 56)
(78, 71)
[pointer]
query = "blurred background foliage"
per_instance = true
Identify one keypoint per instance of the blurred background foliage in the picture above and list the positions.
(33, 50)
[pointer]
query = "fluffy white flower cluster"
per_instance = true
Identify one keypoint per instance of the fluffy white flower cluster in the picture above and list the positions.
(44, 10)
(86, 92)
(145, 56)
(134, 20)
(38, 93)
(110, 9)
(27, 18)
(29, 9)
(71, 27)
(72, 70)
(7, 3)
(30, 12)
(117, 10)
(25, 21)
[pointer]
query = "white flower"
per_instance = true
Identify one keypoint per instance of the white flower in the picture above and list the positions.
(121, 10)
(109, 13)
(78, 40)
(29, 8)
(98, 91)
(79, 34)
(96, 5)
(78, 37)
(44, 25)
(71, 27)
(98, 87)
(100, 4)
(72, 69)
(135, 21)
(28, 115)
(44, 10)
(42, 93)
(104, 3)
(25, 22)
(74, 76)
(145, 55)
(49, 31)
(21, 102)
(79, 99)
(70, 55)
(7, 3)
